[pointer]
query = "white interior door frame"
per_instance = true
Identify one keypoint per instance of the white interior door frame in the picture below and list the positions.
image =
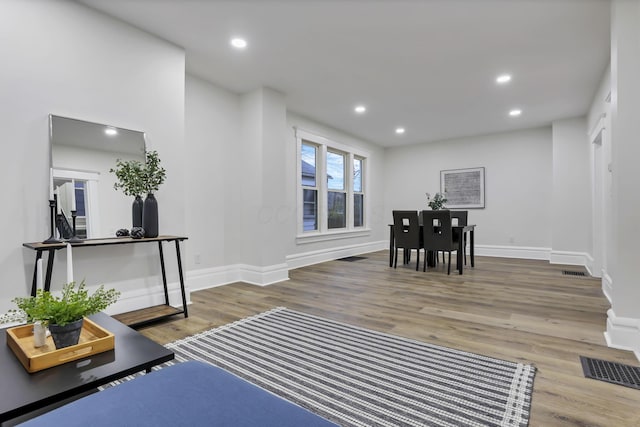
(91, 196)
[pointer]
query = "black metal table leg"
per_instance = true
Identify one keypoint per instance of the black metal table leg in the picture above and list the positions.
(184, 296)
(35, 274)
(164, 274)
(47, 280)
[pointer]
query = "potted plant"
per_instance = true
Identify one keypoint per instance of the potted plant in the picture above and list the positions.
(131, 181)
(135, 179)
(153, 176)
(437, 202)
(64, 315)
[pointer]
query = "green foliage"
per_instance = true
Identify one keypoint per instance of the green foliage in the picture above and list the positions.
(72, 305)
(130, 177)
(153, 173)
(437, 202)
(136, 178)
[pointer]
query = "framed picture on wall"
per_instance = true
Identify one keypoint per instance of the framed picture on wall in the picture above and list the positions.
(464, 188)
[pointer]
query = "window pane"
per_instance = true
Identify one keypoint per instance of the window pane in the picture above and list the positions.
(358, 211)
(79, 190)
(337, 209)
(357, 175)
(308, 165)
(310, 210)
(335, 171)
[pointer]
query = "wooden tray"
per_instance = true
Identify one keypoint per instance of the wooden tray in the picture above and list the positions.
(93, 340)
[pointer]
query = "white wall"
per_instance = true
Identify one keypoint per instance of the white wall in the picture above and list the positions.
(60, 57)
(518, 186)
(623, 319)
(599, 122)
(212, 128)
(571, 200)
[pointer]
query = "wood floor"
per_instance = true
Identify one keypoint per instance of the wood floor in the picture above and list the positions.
(518, 310)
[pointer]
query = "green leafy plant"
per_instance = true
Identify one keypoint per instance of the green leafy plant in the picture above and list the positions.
(130, 177)
(437, 202)
(73, 304)
(136, 178)
(153, 174)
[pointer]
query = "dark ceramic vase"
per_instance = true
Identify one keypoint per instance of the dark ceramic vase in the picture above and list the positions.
(136, 211)
(67, 335)
(150, 216)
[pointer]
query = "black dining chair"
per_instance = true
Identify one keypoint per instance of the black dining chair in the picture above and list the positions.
(462, 217)
(437, 234)
(406, 230)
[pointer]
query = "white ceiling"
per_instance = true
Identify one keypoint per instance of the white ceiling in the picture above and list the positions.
(428, 66)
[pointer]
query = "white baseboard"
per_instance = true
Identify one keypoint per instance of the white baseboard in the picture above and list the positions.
(262, 276)
(513, 252)
(218, 276)
(570, 258)
(607, 286)
(623, 333)
(315, 257)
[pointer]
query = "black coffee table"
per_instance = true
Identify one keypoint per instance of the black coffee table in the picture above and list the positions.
(22, 392)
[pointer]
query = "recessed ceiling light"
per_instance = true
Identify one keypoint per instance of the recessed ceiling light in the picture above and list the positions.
(504, 78)
(399, 131)
(110, 131)
(238, 43)
(515, 112)
(360, 109)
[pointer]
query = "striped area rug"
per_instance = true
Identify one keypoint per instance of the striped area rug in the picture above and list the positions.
(358, 377)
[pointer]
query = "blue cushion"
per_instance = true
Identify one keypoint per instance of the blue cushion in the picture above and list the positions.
(185, 394)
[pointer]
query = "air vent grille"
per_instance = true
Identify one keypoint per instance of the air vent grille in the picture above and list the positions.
(611, 372)
(574, 273)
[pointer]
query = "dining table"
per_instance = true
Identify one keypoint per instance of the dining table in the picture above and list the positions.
(459, 230)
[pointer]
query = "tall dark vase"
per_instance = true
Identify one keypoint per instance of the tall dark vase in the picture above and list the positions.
(136, 211)
(150, 216)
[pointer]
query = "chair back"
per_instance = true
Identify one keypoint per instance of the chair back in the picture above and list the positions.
(406, 229)
(461, 216)
(437, 231)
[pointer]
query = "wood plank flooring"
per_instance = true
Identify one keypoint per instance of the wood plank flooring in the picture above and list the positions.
(518, 310)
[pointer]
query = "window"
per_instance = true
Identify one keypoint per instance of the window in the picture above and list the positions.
(331, 182)
(336, 195)
(358, 193)
(309, 187)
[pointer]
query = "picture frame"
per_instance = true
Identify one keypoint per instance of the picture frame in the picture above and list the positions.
(463, 188)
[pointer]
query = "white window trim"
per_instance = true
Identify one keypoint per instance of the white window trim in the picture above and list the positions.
(324, 233)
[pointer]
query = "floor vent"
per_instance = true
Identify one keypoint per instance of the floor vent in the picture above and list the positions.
(611, 372)
(352, 258)
(574, 273)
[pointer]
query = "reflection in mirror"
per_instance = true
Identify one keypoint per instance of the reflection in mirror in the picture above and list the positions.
(82, 153)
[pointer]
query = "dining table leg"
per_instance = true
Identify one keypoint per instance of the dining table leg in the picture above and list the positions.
(391, 245)
(472, 245)
(459, 254)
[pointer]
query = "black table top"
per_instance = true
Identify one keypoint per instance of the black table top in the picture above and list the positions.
(22, 392)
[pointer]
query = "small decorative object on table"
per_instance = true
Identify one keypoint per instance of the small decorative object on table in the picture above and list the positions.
(137, 233)
(63, 315)
(123, 232)
(438, 201)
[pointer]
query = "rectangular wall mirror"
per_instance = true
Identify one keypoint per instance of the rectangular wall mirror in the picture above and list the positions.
(82, 153)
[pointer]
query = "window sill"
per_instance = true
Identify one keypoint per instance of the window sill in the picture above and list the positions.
(331, 235)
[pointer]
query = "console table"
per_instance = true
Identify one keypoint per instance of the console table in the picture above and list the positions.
(157, 312)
